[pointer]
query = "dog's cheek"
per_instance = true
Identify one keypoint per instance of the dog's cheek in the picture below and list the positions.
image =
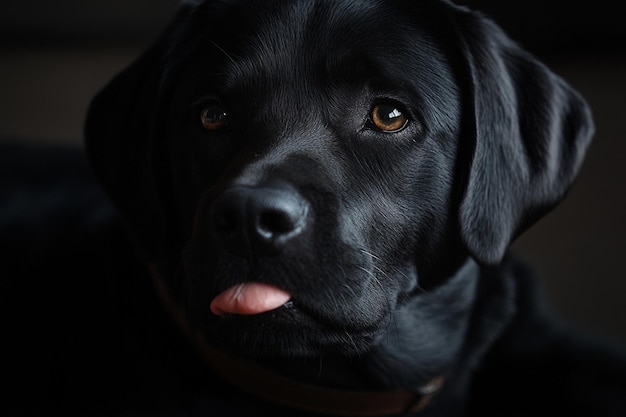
(379, 226)
(412, 214)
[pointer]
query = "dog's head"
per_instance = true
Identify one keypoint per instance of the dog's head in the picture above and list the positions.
(313, 166)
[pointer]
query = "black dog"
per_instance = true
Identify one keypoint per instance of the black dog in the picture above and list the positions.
(324, 192)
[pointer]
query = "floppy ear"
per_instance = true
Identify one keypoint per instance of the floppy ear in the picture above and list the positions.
(122, 142)
(530, 132)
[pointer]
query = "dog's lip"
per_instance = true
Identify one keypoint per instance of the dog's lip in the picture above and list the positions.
(249, 298)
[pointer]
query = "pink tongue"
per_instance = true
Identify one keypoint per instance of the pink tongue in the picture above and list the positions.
(249, 298)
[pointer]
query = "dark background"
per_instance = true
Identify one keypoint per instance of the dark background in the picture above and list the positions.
(54, 56)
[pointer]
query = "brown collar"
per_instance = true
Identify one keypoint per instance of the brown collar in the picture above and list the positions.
(295, 394)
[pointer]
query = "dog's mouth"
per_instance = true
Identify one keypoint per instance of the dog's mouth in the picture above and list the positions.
(259, 320)
(249, 298)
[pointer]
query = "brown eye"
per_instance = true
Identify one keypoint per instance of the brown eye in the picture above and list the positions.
(388, 118)
(213, 117)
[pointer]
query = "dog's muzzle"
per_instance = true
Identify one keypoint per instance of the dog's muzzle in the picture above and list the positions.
(258, 219)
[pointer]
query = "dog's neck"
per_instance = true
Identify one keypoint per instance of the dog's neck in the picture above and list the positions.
(427, 334)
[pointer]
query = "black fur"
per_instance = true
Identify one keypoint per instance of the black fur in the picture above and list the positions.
(392, 245)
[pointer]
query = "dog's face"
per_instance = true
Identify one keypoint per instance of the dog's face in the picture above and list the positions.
(305, 160)
(313, 167)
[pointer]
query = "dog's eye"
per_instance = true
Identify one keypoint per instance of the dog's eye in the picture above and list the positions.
(387, 118)
(213, 117)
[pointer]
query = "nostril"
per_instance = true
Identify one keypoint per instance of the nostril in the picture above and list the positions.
(272, 223)
(275, 222)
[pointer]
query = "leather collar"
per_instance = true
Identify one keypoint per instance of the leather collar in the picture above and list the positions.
(291, 393)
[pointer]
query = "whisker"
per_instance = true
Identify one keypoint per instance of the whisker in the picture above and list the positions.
(224, 52)
(378, 282)
(351, 340)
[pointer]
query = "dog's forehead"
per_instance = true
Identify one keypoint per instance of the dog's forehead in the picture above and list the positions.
(293, 39)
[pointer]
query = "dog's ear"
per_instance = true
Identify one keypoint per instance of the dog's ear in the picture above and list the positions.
(122, 143)
(528, 133)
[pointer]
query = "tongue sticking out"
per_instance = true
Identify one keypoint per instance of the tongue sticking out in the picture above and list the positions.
(249, 298)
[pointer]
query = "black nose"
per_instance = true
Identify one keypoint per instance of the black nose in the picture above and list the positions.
(262, 218)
